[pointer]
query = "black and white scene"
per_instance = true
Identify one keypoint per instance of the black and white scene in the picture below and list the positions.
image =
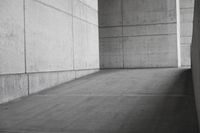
(99, 66)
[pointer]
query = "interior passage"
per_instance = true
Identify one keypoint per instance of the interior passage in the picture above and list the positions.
(110, 101)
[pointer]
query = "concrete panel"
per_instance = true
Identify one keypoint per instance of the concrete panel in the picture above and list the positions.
(82, 73)
(111, 53)
(111, 61)
(185, 55)
(146, 20)
(110, 13)
(11, 37)
(64, 5)
(49, 39)
(79, 9)
(186, 29)
(82, 11)
(186, 40)
(110, 32)
(148, 51)
(187, 3)
(12, 87)
(137, 12)
(92, 3)
(92, 16)
(86, 45)
(187, 15)
(149, 29)
(42, 81)
(93, 46)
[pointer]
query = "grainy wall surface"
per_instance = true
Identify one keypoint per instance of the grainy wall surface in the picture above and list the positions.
(186, 15)
(138, 34)
(44, 43)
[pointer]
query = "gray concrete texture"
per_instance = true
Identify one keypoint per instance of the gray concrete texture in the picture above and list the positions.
(11, 37)
(51, 36)
(13, 86)
(195, 55)
(186, 16)
(42, 81)
(138, 34)
(19, 85)
(111, 101)
(48, 46)
(49, 41)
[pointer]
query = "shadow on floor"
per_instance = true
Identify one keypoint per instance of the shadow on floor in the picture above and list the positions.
(111, 101)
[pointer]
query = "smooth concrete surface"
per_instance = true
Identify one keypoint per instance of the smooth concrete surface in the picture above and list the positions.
(153, 22)
(79, 10)
(92, 16)
(13, 86)
(50, 37)
(38, 38)
(64, 5)
(19, 85)
(186, 20)
(91, 3)
(196, 55)
(42, 81)
(11, 37)
(187, 3)
(110, 13)
(147, 51)
(48, 46)
(111, 53)
(85, 48)
(111, 101)
(186, 29)
(110, 32)
(149, 30)
(85, 32)
(81, 73)
(148, 12)
(85, 12)
(186, 55)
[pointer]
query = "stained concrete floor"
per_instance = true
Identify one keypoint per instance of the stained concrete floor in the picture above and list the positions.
(111, 101)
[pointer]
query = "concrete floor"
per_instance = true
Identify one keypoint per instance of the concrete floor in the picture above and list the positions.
(111, 101)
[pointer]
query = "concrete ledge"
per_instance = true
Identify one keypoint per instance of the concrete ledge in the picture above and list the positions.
(41, 81)
(19, 85)
(82, 73)
(13, 86)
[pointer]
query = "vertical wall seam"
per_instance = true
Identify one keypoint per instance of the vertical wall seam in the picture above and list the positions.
(73, 43)
(122, 34)
(178, 33)
(98, 28)
(24, 13)
(73, 31)
(25, 59)
(28, 76)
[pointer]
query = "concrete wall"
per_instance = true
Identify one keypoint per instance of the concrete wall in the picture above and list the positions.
(186, 15)
(196, 55)
(44, 43)
(138, 34)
